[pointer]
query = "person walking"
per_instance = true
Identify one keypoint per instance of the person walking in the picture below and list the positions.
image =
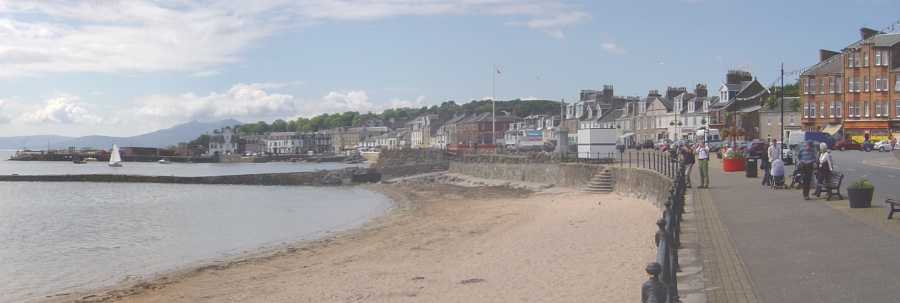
(772, 153)
(806, 158)
(702, 153)
(687, 159)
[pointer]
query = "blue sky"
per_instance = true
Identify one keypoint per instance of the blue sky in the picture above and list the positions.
(123, 68)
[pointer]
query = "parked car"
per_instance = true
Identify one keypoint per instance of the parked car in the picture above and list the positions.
(661, 143)
(646, 144)
(866, 146)
(756, 149)
(786, 155)
(884, 146)
(847, 144)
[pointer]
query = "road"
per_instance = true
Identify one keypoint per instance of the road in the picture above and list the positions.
(881, 170)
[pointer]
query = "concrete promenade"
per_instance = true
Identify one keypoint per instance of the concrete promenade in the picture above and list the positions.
(763, 245)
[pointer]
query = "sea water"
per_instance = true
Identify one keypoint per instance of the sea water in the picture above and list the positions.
(60, 237)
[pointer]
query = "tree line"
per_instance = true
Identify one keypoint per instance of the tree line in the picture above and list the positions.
(517, 107)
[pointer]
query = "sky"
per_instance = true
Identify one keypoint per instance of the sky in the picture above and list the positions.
(125, 68)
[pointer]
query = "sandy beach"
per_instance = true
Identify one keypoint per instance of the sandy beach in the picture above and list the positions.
(439, 243)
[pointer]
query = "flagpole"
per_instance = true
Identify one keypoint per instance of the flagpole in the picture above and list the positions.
(493, 107)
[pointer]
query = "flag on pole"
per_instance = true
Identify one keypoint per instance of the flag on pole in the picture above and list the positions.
(497, 69)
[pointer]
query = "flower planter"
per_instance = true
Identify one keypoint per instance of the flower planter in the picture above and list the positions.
(736, 164)
(860, 197)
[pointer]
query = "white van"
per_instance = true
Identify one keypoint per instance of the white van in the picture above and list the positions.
(713, 139)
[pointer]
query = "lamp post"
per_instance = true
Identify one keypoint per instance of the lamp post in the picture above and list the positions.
(781, 92)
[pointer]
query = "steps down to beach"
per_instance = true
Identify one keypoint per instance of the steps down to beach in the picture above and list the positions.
(601, 183)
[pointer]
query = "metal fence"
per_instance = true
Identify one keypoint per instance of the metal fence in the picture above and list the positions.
(663, 283)
(661, 162)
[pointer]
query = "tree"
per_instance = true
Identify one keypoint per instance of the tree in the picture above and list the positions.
(202, 140)
(279, 126)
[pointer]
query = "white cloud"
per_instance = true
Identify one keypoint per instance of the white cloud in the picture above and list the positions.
(4, 117)
(240, 101)
(62, 109)
(398, 103)
(201, 38)
(612, 48)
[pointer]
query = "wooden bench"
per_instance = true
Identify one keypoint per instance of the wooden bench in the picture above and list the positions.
(895, 207)
(832, 186)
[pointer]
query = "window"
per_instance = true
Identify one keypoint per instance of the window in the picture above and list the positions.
(866, 108)
(806, 85)
(831, 84)
(805, 109)
(812, 109)
(881, 57)
(884, 106)
(838, 81)
(769, 119)
(838, 108)
(866, 59)
(897, 108)
(877, 108)
(822, 86)
(812, 86)
(850, 109)
(831, 109)
(897, 83)
(822, 111)
(857, 108)
(866, 83)
(792, 114)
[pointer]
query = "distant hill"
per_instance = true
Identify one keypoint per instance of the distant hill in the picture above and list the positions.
(162, 138)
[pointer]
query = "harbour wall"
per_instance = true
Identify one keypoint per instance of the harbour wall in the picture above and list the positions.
(633, 182)
(314, 178)
(547, 168)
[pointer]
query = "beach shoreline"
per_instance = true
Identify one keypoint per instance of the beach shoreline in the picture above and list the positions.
(437, 243)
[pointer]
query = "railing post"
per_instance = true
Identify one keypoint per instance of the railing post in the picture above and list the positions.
(653, 291)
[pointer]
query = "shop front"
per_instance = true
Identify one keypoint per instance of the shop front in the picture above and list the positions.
(867, 130)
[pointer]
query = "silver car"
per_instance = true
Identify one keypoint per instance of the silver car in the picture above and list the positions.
(884, 146)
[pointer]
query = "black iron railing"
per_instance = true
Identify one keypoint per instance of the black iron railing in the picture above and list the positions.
(662, 287)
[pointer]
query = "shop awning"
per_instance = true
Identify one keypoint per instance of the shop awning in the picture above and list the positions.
(832, 129)
(626, 135)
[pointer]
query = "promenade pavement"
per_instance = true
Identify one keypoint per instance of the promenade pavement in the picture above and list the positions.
(763, 245)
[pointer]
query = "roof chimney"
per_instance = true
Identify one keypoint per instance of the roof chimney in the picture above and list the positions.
(865, 33)
(700, 91)
(825, 54)
(672, 92)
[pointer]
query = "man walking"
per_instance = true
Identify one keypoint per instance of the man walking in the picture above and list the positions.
(702, 152)
(806, 158)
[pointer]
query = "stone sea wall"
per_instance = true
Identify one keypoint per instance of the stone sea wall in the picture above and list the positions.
(314, 178)
(546, 168)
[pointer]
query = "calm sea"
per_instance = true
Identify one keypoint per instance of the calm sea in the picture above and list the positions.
(62, 237)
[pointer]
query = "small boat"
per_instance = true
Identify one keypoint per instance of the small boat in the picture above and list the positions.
(165, 161)
(90, 159)
(115, 159)
(79, 161)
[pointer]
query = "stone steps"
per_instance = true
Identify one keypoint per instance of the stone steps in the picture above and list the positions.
(601, 183)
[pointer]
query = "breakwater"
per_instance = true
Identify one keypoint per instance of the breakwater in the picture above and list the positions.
(314, 178)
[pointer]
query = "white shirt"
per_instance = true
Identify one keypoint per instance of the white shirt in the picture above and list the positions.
(826, 157)
(702, 152)
(773, 153)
